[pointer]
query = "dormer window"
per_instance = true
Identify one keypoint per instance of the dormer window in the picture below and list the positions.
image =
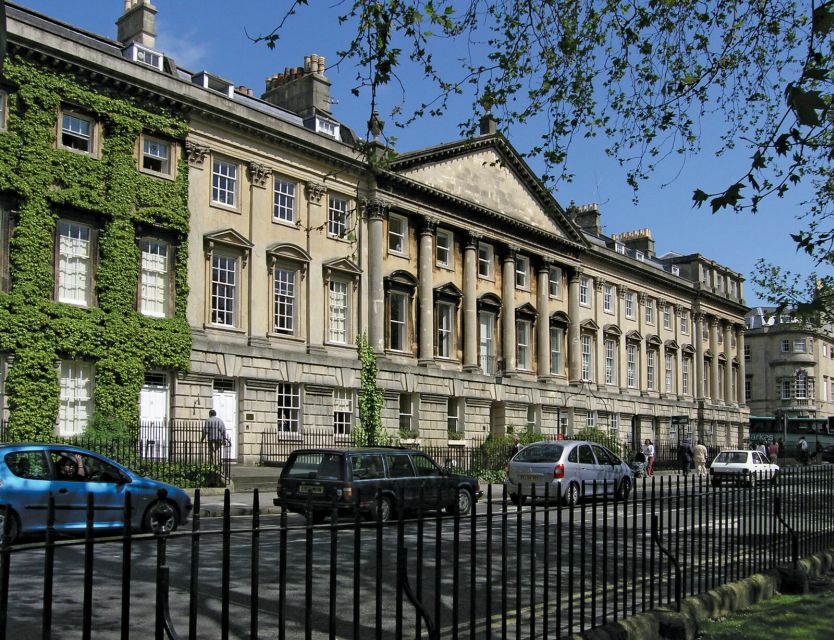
(619, 247)
(327, 127)
(638, 255)
(213, 83)
(676, 270)
(137, 53)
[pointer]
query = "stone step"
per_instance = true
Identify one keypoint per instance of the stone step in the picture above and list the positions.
(246, 478)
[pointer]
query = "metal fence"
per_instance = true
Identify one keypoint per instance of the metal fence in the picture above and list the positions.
(535, 571)
(173, 452)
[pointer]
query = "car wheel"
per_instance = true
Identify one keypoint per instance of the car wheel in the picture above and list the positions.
(14, 529)
(625, 489)
(382, 509)
(464, 504)
(517, 499)
(161, 517)
(572, 495)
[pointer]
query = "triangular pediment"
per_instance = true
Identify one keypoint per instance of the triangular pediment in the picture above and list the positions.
(449, 291)
(490, 174)
(344, 265)
(228, 237)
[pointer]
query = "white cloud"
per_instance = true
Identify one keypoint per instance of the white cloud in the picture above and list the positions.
(187, 48)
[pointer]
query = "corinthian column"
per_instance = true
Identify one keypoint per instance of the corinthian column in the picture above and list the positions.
(508, 319)
(470, 303)
(698, 329)
(728, 368)
(574, 348)
(742, 373)
(713, 368)
(376, 211)
(425, 268)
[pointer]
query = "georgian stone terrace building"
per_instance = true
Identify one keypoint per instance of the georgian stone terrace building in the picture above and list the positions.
(488, 303)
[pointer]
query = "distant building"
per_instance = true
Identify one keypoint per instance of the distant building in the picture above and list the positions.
(790, 367)
(490, 305)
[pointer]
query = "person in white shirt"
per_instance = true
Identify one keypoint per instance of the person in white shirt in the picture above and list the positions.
(648, 451)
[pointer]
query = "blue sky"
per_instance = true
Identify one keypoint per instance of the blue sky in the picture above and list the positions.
(211, 35)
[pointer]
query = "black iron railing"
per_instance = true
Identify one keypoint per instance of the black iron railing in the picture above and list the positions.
(541, 570)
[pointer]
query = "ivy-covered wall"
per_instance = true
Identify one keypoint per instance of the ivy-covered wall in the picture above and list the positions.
(42, 182)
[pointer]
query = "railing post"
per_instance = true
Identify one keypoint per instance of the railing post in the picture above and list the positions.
(403, 586)
(777, 508)
(672, 559)
(163, 624)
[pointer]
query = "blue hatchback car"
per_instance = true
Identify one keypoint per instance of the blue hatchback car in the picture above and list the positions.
(32, 473)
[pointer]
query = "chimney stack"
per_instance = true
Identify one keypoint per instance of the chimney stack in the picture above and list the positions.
(302, 90)
(138, 23)
(639, 240)
(587, 217)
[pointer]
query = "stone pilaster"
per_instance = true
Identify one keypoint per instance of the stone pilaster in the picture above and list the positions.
(728, 367)
(713, 368)
(426, 292)
(470, 303)
(742, 365)
(698, 333)
(543, 324)
(508, 336)
(315, 192)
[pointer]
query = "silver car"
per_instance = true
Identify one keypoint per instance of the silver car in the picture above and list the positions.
(573, 469)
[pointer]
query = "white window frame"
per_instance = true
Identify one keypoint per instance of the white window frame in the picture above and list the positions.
(787, 389)
(555, 282)
(225, 183)
(801, 386)
(444, 249)
(522, 344)
(799, 345)
(453, 421)
(748, 390)
(71, 132)
(76, 261)
(284, 199)
(397, 234)
(747, 353)
(584, 291)
(486, 343)
(639, 256)
(610, 362)
(445, 346)
(522, 272)
(608, 298)
(76, 396)
(685, 322)
(667, 316)
(406, 411)
(650, 369)
(786, 346)
(631, 366)
(587, 358)
(398, 299)
(685, 367)
(721, 390)
(343, 404)
(155, 277)
(153, 151)
(225, 291)
(486, 260)
(620, 248)
(284, 299)
(338, 217)
(338, 310)
(288, 405)
(649, 307)
(591, 419)
(614, 427)
(669, 372)
(556, 338)
(629, 305)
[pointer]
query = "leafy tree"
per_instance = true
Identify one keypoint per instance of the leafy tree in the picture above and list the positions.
(642, 73)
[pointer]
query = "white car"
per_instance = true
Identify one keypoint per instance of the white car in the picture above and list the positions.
(738, 465)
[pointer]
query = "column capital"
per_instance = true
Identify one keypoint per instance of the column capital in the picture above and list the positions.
(471, 240)
(576, 273)
(642, 298)
(315, 191)
(258, 174)
(510, 253)
(195, 154)
(375, 209)
(601, 282)
(714, 322)
(428, 225)
(546, 264)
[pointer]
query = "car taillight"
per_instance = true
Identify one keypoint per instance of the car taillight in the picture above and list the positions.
(347, 492)
(558, 472)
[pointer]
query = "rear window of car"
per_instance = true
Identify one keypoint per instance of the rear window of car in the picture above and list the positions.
(30, 465)
(731, 457)
(318, 466)
(540, 453)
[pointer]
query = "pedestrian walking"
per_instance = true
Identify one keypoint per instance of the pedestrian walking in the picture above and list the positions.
(699, 457)
(214, 432)
(762, 449)
(773, 452)
(648, 451)
(685, 456)
(781, 448)
(517, 446)
(802, 447)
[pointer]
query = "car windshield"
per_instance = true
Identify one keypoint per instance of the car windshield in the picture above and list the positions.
(540, 453)
(730, 457)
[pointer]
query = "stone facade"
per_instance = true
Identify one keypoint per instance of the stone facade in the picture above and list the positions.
(490, 306)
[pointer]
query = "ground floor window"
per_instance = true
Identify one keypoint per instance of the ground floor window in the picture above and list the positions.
(289, 400)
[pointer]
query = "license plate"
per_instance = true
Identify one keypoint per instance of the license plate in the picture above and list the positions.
(529, 477)
(312, 489)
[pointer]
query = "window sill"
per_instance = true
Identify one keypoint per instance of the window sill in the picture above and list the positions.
(224, 329)
(398, 254)
(224, 207)
(157, 174)
(285, 337)
(295, 224)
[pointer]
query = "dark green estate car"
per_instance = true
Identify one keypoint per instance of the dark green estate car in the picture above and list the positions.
(379, 480)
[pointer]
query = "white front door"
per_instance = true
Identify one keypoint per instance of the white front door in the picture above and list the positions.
(153, 416)
(224, 402)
